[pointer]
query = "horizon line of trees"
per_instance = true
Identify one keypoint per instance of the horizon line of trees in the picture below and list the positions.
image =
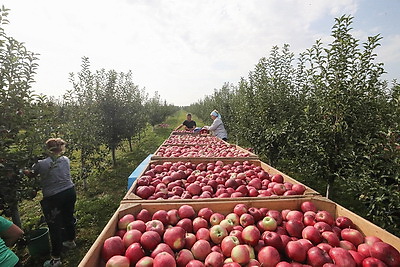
(326, 116)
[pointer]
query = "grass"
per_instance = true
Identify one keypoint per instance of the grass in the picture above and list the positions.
(96, 205)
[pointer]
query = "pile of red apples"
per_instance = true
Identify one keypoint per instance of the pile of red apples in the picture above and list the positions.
(247, 236)
(202, 151)
(193, 140)
(187, 180)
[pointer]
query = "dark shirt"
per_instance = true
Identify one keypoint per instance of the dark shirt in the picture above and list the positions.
(189, 124)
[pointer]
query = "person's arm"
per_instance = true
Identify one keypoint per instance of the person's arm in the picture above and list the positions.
(11, 235)
(214, 125)
(180, 126)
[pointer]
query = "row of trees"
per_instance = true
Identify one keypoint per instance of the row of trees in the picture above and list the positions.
(102, 109)
(327, 115)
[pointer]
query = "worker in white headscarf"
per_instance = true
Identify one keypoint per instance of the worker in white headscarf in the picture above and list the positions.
(217, 127)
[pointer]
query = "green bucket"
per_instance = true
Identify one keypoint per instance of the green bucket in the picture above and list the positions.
(38, 244)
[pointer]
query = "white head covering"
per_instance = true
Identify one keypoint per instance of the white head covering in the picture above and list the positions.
(215, 113)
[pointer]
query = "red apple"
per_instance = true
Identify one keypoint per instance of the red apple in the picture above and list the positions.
(299, 189)
(276, 215)
(386, 253)
(156, 226)
(134, 253)
(373, 262)
(162, 247)
(311, 233)
(256, 213)
(234, 217)
(131, 236)
(201, 249)
(296, 251)
(190, 239)
(343, 222)
(164, 259)
(294, 228)
(199, 223)
(278, 178)
(112, 246)
(342, 257)
(216, 218)
(217, 233)
(125, 220)
(186, 211)
(268, 256)
(195, 263)
(322, 226)
(121, 233)
(203, 233)
(228, 224)
(273, 239)
(294, 215)
(214, 259)
(205, 213)
(279, 189)
(246, 219)
(145, 262)
(308, 206)
(324, 246)
(138, 225)
(358, 257)
(352, 235)
(228, 243)
(118, 261)
(331, 238)
(371, 240)
(173, 217)
(364, 249)
(144, 215)
(162, 216)
(149, 240)
(186, 224)
(317, 257)
(183, 257)
(309, 220)
(175, 237)
(324, 216)
(240, 254)
(251, 235)
(268, 224)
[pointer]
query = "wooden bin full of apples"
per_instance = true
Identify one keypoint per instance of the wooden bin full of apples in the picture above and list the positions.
(307, 231)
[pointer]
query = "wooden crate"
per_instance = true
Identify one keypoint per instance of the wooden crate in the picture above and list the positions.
(93, 256)
(132, 196)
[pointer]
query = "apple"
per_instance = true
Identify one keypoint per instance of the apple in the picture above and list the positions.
(175, 237)
(183, 257)
(201, 249)
(268, 223)
(228, 243)
(268, 256)
(173, 217)
(195, 263)
(256, 213)
(214, 259)
(216, 218)
(341, 257)
(298, 189)
(386, 253)
(121, 233)
(352, 235)
(186, 224)
(324, 246)
(364, 249)
(138, 225)
(125, 220)
(112, 246)
(144, 215)
(234, 217)
(150, 240)
(203, 233)
(238, 234)
(134, 253)
(331, 238)
(144, 192)
(276, 215)
(246, 219)
(309, 220)
(186, 211)
(308, 206)
(231, 264)
(190, 239)
(273, 239)
(311, 233)
(131, 236)
(373, 262)
(318, 257)
(240, 254)
(322, 227)
(164, 259)
(251, 235)
(194, 189)
(343, 222)
(162, 247)
(324, 216)
(218, 233)
(198, 223)
(205, 213)
(358, 257)
(118, 261)
(294, 215)
(216, 248)
(145, 262)
(371, 240)
(156, 226)
(228, 224)
(279, 189)
(294, 228)
(162, 216)
(296, 251)
(278, 178)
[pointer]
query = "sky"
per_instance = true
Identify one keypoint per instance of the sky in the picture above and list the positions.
(184, 49)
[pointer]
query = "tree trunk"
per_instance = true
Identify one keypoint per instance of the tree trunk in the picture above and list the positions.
(113, 156)
(130, 144)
